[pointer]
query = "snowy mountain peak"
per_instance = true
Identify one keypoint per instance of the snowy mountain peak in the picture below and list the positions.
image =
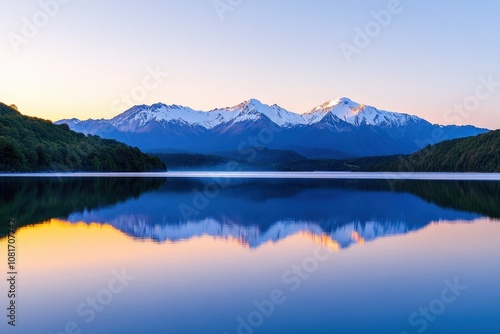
(357, 114)
(328, 105)
(254, 102)
(251, 104)
(254, 109)
(141, 115)
(69, 122)
(342, 101)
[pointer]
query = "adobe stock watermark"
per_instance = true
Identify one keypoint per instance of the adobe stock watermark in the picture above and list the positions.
(420, 319)
(93, 305)
(31, 26)
(152, 80)
(223, 6)
(292, 278)
(486, 88)
(248, 149)
(363, 36)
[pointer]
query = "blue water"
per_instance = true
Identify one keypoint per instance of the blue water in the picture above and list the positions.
(253, 255)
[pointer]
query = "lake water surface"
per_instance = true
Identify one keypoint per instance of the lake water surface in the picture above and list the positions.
(252, 255)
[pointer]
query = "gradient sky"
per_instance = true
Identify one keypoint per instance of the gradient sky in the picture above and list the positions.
(429, 58)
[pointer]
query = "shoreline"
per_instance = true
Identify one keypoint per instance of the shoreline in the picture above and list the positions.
(438, 176)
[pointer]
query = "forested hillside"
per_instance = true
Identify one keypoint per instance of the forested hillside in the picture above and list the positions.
(29, 144)
(473, 154)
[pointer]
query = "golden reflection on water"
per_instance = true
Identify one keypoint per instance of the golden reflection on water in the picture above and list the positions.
(63, 246)
(67, 234)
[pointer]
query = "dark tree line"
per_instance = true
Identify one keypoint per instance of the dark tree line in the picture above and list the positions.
(473, 154)
(35, 200)
(29, 144)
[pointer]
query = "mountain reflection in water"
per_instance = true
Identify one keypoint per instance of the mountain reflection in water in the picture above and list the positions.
(251, 212)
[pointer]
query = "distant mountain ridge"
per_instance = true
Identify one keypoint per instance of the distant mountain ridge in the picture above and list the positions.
(338, 128)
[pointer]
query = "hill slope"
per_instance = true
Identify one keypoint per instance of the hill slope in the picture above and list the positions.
(29, 144)
(473, 154)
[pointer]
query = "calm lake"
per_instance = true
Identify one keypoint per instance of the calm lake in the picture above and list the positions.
(251, 255)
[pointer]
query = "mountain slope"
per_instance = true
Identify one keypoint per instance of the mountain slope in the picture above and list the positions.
(337, 129)
(29, 144)
(474, 154)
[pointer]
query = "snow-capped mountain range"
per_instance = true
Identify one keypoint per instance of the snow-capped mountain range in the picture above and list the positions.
(344, 109)
(336, 129)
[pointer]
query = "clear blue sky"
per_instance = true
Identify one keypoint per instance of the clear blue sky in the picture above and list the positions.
(430, 56)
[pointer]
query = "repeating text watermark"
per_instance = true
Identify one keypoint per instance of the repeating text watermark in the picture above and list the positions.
(31, 26)
(153, 78)
(292, 279)
(224, 6)
(421, 319)
(363, 36)
(89, 309)
(249, 150)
